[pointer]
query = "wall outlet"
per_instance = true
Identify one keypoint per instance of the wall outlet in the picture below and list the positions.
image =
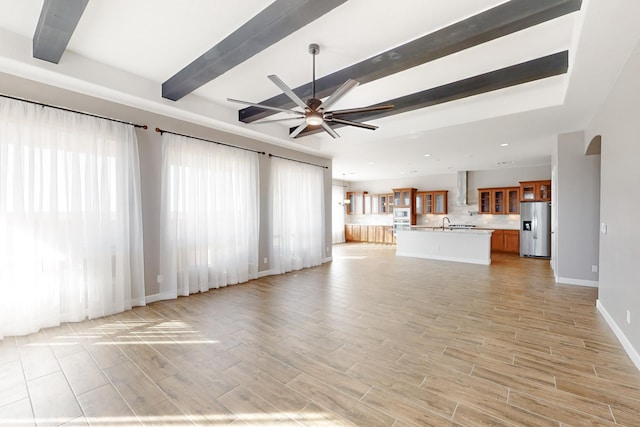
(327, 249)
(594, 268)
(159, 278)
(628, 317)
(603, 228)
(265, 260)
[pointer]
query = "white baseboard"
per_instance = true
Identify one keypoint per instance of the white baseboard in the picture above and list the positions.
(578, 282)
(159, 297)
(328, 259)
(265, 273)
(628, 347)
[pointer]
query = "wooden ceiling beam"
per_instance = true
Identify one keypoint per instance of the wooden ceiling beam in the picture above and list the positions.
(507, 18)
(275, 22)
(547, 66)
(57, 22)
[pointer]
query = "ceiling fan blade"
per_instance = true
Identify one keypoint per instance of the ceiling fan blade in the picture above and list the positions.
(299, 129)
(287, 90)
(356, 124)
(339, 93)
(330, 131)
(360, 110)
(266, 107)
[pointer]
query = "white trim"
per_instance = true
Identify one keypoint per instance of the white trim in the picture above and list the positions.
(265, 273)
(327, 259)
(578, 282)
(628, 347)
(159, 297)
(444, 258)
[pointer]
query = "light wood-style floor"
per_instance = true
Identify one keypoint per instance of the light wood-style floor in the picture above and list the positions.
(369, 339)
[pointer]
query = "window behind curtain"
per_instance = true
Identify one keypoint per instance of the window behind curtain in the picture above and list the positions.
(297, 215)
(210, 216)
(70, 218)
(337, 214)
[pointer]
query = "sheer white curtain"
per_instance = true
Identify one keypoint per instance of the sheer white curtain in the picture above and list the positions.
(70, 218)
(297, 215)
(210, 216)
(337, 214)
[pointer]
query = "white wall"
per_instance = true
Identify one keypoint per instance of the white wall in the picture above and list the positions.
(618, 122)
(506, 177)
(577, 211)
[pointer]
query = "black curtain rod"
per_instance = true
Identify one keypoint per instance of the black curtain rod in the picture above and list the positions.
(161, 131)
(73, 111)
(299, 161)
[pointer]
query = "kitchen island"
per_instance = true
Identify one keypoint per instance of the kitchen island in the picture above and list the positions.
(470, 246)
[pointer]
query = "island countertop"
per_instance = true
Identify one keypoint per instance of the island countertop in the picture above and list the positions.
(452, 230)
(459, 245)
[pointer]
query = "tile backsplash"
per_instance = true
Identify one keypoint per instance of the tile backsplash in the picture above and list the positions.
(457, 215)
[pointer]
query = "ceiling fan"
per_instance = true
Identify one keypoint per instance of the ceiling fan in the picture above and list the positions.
(315, 112)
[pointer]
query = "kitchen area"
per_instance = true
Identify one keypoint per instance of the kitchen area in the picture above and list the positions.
(465, 223)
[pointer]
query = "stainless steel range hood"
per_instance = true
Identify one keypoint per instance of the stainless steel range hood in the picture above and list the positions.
(461, 187)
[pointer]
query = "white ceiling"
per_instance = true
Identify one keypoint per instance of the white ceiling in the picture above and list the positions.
(123, 50)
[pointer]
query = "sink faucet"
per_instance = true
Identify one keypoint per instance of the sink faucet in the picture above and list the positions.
(448, 221)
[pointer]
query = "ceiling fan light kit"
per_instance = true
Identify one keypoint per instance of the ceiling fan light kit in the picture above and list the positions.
(314, 118)
(315, 111)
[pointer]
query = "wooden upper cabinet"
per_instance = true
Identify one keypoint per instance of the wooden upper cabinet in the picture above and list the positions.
(356, 202)
(499, 201)
(403, 197)
(385, 203)
(513, 200)
(431, 202)
(535, 191)
(440, 202)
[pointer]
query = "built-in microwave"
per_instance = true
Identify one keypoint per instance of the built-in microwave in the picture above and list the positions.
(401, 213)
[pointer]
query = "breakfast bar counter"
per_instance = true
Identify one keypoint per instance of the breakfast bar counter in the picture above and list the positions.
(459, 245)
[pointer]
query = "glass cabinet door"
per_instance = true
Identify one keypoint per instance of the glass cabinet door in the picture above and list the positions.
(406, 198)
(498, 202)
(359, 203)
(513, 201)
(397, 201)
(543, 191)
(428, 203)
(440, 203)
(419, 203)
(528, 192)
(484, 201)
(375, 204)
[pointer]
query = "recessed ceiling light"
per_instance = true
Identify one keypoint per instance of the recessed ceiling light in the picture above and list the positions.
(371, 163)
(504, 144)
(427, 155)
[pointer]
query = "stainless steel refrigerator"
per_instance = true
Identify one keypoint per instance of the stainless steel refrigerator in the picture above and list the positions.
(535, 229)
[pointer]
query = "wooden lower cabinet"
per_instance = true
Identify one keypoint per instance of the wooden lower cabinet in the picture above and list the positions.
(505, 241)
(369, 233)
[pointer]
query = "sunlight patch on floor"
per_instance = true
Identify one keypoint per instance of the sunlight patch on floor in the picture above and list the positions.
(254, 419)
